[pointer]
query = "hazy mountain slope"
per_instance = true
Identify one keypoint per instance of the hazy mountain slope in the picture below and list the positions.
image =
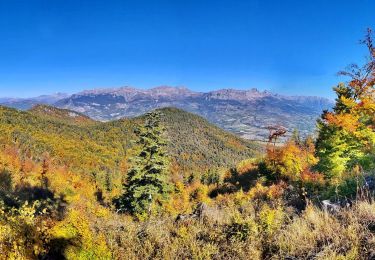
(64, 115)
(27, 103)
(193, 143)
(244, 112)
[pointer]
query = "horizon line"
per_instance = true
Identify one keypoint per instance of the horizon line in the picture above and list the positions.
(156, 87)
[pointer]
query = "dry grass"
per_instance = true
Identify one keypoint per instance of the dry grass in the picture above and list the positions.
(319, 235)
(248, 232)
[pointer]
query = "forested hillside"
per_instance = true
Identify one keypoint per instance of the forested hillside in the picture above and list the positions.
(192, 140)
(63, 115)
(193, 144)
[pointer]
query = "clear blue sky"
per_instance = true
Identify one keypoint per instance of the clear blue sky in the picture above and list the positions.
(290, 47)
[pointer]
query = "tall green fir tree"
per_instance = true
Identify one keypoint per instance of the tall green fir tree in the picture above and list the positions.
(147, 183)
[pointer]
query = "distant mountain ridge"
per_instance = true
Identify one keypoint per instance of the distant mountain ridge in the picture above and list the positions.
(247, 113)
(27, 103)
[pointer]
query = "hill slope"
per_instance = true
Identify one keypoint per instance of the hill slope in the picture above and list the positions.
(64, 115)
(193, 143)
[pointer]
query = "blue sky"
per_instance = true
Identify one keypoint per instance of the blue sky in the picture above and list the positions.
(290, 47)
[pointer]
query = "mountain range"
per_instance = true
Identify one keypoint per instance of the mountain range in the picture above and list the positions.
(246, 113)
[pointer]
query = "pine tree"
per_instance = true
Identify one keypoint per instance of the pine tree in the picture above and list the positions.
(147, 180)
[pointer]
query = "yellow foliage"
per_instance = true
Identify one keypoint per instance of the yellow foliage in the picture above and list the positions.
(290, 160)
(271, 219)
(76, 227)
(200, 194)
(22, 234)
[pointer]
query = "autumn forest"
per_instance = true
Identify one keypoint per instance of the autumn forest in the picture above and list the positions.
(170, 185)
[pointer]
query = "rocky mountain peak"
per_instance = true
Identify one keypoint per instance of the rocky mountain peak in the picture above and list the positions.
(237, 94)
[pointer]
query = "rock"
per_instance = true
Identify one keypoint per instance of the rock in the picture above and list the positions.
(328, 206)
(370, 183)
(198, 213)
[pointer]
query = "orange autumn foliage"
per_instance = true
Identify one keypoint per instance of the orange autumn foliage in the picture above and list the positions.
(290, 160)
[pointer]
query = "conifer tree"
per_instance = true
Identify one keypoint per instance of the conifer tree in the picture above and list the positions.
(147, 180)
